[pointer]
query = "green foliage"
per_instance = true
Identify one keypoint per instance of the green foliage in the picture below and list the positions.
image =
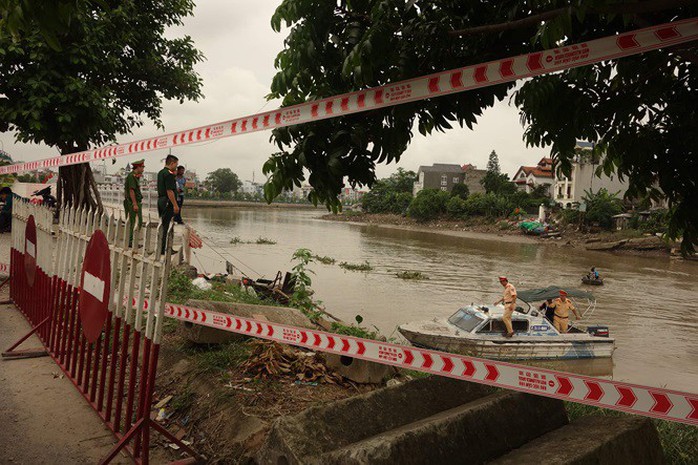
(493, 163)
(355, 330)
(180, 289)
(640, 110)
(390, 195)
(495, 183)
(223, 180)
(488, 205)
(457, 208)
(601, 206)
(265, 241)
(415, 275)
(365, 266)
(428, 204)
(218, 358)
(324, 260)
(110, 74)
(657, 222)
(460, 190)
(302, 294)
(51, 19)
(183, 401)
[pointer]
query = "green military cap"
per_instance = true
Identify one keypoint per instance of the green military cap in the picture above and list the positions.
(140, 162)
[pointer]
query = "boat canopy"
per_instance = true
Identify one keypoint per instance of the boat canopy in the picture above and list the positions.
(551, 292)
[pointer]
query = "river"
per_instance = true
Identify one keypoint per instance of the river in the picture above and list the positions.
(650, 304)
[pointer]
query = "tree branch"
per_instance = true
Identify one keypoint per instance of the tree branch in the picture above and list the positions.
(626, 8)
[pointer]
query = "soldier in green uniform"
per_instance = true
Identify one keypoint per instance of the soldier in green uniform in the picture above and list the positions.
(167, 202)
(133, 197)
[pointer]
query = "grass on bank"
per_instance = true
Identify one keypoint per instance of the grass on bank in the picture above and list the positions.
(679, 441)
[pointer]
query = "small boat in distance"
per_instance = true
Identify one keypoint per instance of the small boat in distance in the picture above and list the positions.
(592, 281)
(478, 330)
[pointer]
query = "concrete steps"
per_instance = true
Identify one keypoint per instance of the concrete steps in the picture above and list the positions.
(432, 420)
(593, 440)
(471, 433)
(443, 421)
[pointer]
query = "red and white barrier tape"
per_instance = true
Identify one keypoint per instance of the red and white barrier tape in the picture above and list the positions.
(4, 268)
(647, 401)
(641, 400)
(434, 85)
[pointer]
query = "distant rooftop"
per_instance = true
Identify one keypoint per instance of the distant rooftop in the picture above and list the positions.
(585, 145)
(441, 168)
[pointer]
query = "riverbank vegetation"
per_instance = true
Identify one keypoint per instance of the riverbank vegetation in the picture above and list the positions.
(503, 205)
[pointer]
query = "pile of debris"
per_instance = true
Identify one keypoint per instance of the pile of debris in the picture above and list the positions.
(271, 360)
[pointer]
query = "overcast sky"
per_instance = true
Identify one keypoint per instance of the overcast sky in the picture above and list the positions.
(240, 47)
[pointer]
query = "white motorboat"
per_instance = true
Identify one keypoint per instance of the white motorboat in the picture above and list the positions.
(478, 330)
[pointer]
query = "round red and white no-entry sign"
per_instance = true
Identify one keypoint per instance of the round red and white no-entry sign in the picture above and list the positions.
(95, 282)
(30, 250)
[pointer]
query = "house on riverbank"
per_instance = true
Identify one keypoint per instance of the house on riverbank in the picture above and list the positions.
(569, 191)
(444, 176)
(527, 178)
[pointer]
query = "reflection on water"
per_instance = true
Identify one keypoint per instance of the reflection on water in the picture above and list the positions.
(650, 304)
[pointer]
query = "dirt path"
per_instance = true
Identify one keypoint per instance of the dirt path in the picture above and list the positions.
(44, 419)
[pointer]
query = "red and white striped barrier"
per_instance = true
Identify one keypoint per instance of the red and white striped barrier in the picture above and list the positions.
(433, 85)
(4, 268)
(659, 403)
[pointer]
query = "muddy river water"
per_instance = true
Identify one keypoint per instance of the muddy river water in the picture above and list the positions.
(650, 304)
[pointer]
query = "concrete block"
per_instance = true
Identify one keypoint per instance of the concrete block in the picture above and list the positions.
(205, 335)
(357, 370)
(322, 429)
(473, 433)
(593, 440)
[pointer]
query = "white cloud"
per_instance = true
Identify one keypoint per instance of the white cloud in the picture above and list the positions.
(240, 48)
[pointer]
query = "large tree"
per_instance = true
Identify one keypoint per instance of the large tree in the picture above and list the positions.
(223, 181)
(640, 110)
(108, 72)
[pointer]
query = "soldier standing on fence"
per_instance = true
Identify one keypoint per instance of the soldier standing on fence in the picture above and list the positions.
(167, 201)
(133, 197)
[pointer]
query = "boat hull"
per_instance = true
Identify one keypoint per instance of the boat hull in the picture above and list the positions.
(516, 348)
(592, 282)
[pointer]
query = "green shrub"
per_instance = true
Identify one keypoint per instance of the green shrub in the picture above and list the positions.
(489, 205)
(601, 207)
(457, 208)
(461, 191)
(428, 204)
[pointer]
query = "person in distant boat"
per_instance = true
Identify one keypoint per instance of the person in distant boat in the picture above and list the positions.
(562, 306)
(509, 301)
(593, 274)
(548, 309)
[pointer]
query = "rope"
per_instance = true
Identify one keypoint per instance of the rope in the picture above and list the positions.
(230, 257)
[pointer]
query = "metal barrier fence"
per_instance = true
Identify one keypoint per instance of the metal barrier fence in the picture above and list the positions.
(115, 198)
(71, 281)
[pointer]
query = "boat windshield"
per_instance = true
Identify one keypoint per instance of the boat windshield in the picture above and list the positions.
(465, 320)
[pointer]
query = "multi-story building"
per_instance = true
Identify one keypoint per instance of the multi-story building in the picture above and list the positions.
(350, 196)
(438, 176)
(528, 178)
(569, 191)
(473, 178)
